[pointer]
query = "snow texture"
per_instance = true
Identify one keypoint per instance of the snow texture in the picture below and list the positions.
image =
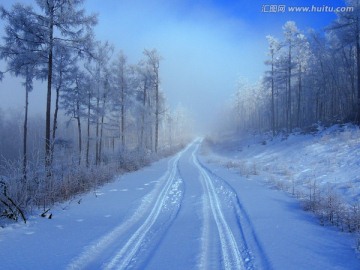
(179, 213)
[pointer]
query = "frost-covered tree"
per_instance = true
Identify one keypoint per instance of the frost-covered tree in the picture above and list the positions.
(153, 60)
(59, 22)
(274, 47)
(64, 77)
(74, 98)
(303, 56)
(142, 83)
(289, 60)
(290, 33)
(100, 72)
(90, 93)
(247, 106)
(347, 28)
(22, 52)
(121, 94)
(54, 43)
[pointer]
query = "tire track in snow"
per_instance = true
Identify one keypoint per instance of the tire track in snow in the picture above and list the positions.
(204, 261)
(124, 256)
(242, 218)
(230, 252)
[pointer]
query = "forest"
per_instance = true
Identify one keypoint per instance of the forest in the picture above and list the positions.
(103, 116)
(312, 77)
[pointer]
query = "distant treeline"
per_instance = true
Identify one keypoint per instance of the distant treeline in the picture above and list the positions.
(311, 77)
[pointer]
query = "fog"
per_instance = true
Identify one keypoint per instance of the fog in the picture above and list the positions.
(206, 46)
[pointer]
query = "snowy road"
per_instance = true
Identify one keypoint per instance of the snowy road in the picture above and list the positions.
(158, 216)
(152, 216)
(179, 213)
(231, 256)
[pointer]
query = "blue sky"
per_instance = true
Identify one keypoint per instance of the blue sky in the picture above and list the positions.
(206, 44)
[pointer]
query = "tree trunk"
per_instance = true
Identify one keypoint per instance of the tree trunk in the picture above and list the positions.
(101, 129)
(101, 139)
(79, 140)
(122, 115)
(48, 99)
(358, 70)
(299, 98)
(142, 139)
(272, 95)
(25, 134)
(157, 104)
(55, 122)
(88, 130)
(97, 131)
(289, 92)
(79, 129)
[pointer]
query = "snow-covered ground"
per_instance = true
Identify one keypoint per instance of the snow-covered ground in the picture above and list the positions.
(330, 158)
(179, 213)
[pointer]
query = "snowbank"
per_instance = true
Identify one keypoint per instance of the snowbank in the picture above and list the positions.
(321, 168)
